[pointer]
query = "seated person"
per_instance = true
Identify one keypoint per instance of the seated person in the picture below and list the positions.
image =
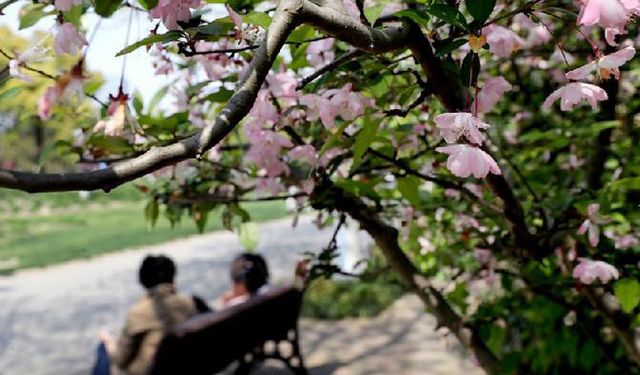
(146, 321)
(249, 277)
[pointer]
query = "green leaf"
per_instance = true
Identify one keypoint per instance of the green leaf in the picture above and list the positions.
(364, 138)
(148, 4)
(214, 28)
(373, 13)
(257, 18)
(112, 145)
(480, 9)
(414, 15)
(302, 34)
(629, 183)
(10, 93)
(138, 102)
(200, 217)
(333, 138)
(157, 97)
(627, 291)
(299, 58)
(448, 13)
(73, 15)
(450, 47)
(470, 69)
(151, 39)
(249, 235)
(151, 211)
(31, 14)
(106, 8)
(221, 96)
(408, 187)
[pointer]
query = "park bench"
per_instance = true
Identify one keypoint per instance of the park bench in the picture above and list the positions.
(264, 327)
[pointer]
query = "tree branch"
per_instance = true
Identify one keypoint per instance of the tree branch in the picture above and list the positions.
(288, 15)
(330, 66)
(237, 107)
(328, 196)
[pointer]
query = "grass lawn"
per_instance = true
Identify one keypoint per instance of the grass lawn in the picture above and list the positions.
(36, 241)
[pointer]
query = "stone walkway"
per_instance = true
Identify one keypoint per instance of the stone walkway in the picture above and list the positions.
(49, 318)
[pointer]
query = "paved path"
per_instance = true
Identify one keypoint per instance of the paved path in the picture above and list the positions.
(49, 317)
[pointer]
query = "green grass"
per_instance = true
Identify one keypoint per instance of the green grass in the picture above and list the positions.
(339, 299)
(36, 241)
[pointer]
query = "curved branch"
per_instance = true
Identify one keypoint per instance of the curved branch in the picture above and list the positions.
(289, 14)
(386, 237)
(237, 107)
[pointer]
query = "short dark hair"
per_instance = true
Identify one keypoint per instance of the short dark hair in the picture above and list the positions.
(155, 270)
(250, 270)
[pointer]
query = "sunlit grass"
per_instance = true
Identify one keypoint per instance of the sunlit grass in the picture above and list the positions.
(40, 240)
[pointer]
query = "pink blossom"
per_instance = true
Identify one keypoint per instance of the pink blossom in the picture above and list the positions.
(605, 13)
(306, 153)
(483, 256)
(68, 39)
(46, 101)
(502, 41)
(216, 65)
(607, 65)
(172, 11)
(465, 160)
(15, 71)
(574, 93)
(491, 93)
(266, 146)
(329, 155)
(454, 125)
(235, 17)
(66, 5)
(320, 52)
(591, 224)
(349, 105)
(282, 85)
(269, 186)
(337, 102)
(587, 271)
(627, 241)
(263, 109)
(115, 125)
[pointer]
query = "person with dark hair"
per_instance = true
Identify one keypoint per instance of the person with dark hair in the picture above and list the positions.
(147, 320)
(249, 277)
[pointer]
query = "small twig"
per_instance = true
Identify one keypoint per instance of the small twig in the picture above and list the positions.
(332, 65)
(424, 94)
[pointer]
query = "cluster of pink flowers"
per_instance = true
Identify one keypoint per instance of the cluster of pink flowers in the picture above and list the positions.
(612, 15)
(266, 146)
(587, 271)
(592, 224)
(341, 102)
(69, 84)
(172, 11)
(217, 65)
(464, 159)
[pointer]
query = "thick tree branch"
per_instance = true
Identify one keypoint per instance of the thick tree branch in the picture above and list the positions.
(602, 144)
(328, 196)
(289, 14)
(237, 107)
